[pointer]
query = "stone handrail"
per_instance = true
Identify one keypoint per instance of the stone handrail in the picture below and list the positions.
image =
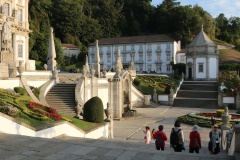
(78, 90)
(45, 89)
(29, 91)
(231, 145)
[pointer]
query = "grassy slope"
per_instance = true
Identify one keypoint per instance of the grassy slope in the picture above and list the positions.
(229, 55)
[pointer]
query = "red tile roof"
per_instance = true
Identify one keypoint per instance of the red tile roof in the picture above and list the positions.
(66, 45)
(134, 39)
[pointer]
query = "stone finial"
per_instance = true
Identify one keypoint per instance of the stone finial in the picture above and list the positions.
(132, 64)
(117, 75)
(226, 111)
(118, 64)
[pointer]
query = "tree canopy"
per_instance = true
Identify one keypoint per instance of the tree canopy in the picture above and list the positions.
(82, 21)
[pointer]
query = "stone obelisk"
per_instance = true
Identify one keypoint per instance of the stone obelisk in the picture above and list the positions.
(51, 52)
(97, 61)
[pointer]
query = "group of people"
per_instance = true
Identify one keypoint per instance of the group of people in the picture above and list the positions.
(177, 138)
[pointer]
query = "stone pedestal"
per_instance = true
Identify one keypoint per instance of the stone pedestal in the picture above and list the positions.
(4, 73)
(170, 97)
(155, 97)
(146, 100)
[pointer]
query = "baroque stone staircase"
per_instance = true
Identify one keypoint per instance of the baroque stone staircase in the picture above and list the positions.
(64, 147)
(197, 94)
(62, 98)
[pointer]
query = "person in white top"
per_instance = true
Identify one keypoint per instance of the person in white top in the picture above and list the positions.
(147, 136)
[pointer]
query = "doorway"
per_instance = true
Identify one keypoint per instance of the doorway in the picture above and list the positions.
(189, 73)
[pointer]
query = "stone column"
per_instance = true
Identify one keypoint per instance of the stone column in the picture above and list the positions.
(194, 68)
(170, 97)
(115, 97)
(26, 14)
(220, 99)
(207, 69)
(14, 47)
(155, 97)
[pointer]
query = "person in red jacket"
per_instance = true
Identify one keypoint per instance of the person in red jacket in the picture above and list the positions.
(160, 138)
(195, 140)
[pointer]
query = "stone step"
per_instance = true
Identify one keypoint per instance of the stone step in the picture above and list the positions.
(200, 82)
(198, 87)
(62, 98)
(196, 103)
(199, 94)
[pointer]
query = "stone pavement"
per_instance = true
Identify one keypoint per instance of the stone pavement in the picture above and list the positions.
(14, 147)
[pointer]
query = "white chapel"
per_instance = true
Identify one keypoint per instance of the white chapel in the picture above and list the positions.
(201, 59)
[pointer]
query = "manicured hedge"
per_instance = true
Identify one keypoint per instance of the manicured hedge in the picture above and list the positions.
(93, 110)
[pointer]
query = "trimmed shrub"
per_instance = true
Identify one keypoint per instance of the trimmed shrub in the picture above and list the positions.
(136, 82)
(20, 90)
(93, 110)
(220, 112)
(167, 90)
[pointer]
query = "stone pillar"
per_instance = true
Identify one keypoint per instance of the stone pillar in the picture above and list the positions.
(115, 97)
(207, 69)
(237, 137)
(225, 127)
(155, 97)
(146, 100)
(170, 97)
(15, 48)
(194, 68)
(237, 101)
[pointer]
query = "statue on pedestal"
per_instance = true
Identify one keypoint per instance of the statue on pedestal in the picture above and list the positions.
(6, 36)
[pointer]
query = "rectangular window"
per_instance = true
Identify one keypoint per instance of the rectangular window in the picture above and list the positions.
(149, 55)
(20, 50)
(168, 56)
(132, 47)
(124, 57)
(92, 57)
(19, 15)
(159, 68)
(168, 67)
(158, 57)
(109, 57)
(140, 47)
(200, 67)
(149, 46)
(7, 9)
(140, 68)
(182, 58)
(124, 47)
(149, 68)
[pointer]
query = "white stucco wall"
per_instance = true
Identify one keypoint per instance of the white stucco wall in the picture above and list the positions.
(10, 84)
(213, 68)
(190, 60)
(103, 94)
(163, 97)
(178, 58)
(10, 127)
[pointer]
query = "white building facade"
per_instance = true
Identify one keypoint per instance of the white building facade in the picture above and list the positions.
(202, 59)
(151, 53)
(14, 36)
(70, 50)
